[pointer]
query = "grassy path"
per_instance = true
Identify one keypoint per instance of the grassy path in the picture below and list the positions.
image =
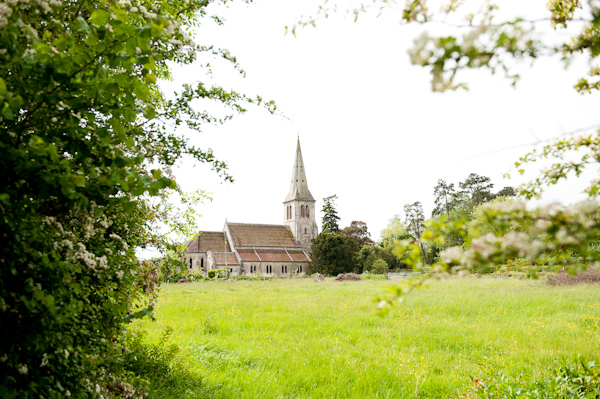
(302, 339)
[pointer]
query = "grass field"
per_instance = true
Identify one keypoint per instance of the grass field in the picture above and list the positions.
(303, 339)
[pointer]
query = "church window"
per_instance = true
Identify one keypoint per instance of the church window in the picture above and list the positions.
(307, 211)
(202, 263)
(305, 230)
(302, 211)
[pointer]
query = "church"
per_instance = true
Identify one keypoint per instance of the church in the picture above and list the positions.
(263, 249)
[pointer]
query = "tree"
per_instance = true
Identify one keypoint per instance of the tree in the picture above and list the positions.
(330, 217)
(358, 231)
(87, 138)
(477, 189)
(333, 253)
(415, 218)
(395, 230)
(443, 193)
(506, 192)
(368, 254)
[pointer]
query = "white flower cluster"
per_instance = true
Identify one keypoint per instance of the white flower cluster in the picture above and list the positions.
(5, 13)
(452, 254)
(553, 227)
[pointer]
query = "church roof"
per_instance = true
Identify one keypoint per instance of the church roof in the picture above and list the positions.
(261, 235)
(299, 185)
(208, 241)
(220, 258)
(272, 255)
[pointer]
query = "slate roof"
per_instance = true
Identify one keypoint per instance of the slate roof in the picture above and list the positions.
(272, 255)
(208, 241)
(220, 258)
(261, 235)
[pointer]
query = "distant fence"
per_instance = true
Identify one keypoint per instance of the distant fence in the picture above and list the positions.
(402, 275)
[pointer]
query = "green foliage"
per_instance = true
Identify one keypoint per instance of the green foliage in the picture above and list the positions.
(370, 253)
(330, 216)
(479, 226)
(148, 360)
(443, 193)
(415, 218)
(369, 276)
(358, 231)
(333, 253)
(380, 266)
(394, 231)
(217, 273)
(87, 139)
(579, 379)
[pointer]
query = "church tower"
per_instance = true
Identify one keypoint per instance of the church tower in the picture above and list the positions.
(299, 206)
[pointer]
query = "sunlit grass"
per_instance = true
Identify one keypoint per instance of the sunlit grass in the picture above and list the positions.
(300, 338)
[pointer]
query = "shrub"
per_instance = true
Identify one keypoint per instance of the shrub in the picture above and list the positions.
(217, 273)
(379, 266)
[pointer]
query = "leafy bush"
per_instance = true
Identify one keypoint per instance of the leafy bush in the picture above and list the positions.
(82, 153)
(217, 273)
(379, 266)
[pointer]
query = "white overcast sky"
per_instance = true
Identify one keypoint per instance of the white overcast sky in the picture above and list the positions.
(371, 130)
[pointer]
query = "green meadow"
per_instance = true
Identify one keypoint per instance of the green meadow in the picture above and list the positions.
(306, 339)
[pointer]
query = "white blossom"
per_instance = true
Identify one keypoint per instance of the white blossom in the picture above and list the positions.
(22, 368)
(451, 254)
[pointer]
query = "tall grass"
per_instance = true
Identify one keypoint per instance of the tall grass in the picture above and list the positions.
(303, 339)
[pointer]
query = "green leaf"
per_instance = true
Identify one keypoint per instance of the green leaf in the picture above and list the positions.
(129, 206)
(82, 24)
(79, 181)
(99, 17)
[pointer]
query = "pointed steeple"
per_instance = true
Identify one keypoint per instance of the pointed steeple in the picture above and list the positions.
(299, 186)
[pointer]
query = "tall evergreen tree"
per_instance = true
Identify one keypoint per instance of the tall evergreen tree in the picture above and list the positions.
(478, 189)
(330, 217)
(443, 198)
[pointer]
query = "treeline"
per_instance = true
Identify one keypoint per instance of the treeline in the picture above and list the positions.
(351, 249)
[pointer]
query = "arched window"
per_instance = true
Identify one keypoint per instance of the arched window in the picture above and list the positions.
(301, 211)
(305, 230)
(307, 211)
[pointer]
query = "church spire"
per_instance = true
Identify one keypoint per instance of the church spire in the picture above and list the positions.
(299, 186)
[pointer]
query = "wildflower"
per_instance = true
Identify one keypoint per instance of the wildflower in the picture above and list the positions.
(22, 368)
